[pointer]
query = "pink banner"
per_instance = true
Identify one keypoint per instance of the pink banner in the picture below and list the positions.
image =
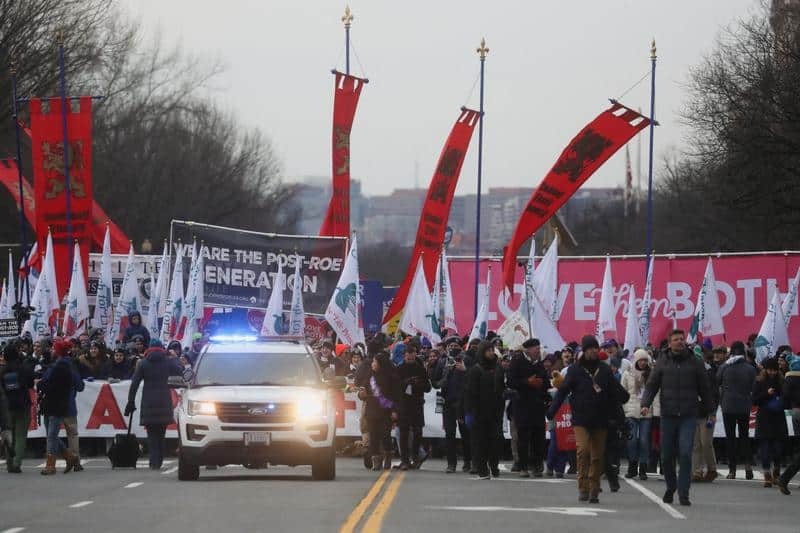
(745, 284)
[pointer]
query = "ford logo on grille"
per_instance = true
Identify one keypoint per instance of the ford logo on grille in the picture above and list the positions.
(261, 410)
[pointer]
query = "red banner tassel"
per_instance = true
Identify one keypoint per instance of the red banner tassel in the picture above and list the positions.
(587, 152)
(436, 210)
(345, 100)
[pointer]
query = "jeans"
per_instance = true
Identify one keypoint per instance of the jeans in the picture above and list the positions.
(155, 444)
(532, 447)
(53, 424)
(677, 439)
(452, 419)
(556, 460)
(733, 422)
(20, 421)
(703, 450)
(415, 433)
(591, 449)
(770, 451)
(639, 444)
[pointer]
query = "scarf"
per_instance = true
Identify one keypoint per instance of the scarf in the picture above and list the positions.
(383, 401)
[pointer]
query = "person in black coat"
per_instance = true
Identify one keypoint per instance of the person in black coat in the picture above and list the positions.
(16, 381)
(155, 370)
(736, 378)
(119, 368)
(483, 405)
(771, 429)
(528, 377)
(380, 391)
(594, 393)
(791, 401)
(449, 376)
(135, 327)
(414, 384)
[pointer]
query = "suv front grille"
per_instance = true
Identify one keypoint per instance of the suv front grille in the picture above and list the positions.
(255, 413)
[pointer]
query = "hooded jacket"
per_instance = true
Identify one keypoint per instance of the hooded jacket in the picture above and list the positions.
(681, 379)
(381, 388)
(132, 330)
(155, 370)
(736, 378)
(57, 385)
(634, 383)
(770, 419)
(483, 394)
(413, 380)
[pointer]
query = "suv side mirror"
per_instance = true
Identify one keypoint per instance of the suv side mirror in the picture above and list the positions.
(337, 382)
(176, 382)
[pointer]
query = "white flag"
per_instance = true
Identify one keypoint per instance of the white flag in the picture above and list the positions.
(5, 308)
(633, 335)
(773, 332)
(544, 328)
(707, 315)
(418, 314)
(345, 305)
(76, 314)
(195, 297)
(28, 284)
(103, 308)
(545, 281)
(128, 301)
(443, 296)
(273, 318)
(38, 325)
(174, 309)
(644, 315)
(156, 292)
(49, 267)
(481, 325)
(791, 299)
(527, 288)
(297, 314)
(11, 291)
(606, 319)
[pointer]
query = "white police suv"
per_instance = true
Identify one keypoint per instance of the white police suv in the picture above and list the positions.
(255, 401)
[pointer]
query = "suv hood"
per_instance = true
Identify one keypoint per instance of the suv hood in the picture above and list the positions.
(248, 394)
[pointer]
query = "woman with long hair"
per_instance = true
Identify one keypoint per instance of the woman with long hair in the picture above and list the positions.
(381, 395)
(771, 429)
(633, 381)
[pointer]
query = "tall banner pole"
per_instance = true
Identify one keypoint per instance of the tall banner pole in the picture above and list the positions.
(66, 140)
(650, 168)
(23, 288)
(348, 20)
(482, 51)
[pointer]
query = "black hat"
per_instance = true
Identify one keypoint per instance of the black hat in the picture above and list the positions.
(531, 343)
(737, 348)
(771, 363)
(589, 341)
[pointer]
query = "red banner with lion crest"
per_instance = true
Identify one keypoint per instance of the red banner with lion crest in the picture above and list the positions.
(587, 152)
(49, 183)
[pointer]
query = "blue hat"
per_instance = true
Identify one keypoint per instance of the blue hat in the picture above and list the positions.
(794, 362)
(155, 343)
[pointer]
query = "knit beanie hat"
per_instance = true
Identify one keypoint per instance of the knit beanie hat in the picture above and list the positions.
(589, 341)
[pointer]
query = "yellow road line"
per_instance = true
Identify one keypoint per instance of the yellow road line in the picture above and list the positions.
(352, 520)
(375, 521)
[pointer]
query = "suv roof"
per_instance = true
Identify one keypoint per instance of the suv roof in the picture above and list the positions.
(259, 346)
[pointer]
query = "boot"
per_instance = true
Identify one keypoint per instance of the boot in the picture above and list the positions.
(594, 496)
(632, 468)
(748, 472)
(767, 479)
(71, 460)
(49, 468)
(776, 472)
(643, 472)
(783, 485)
(387, 461)
(377, 462)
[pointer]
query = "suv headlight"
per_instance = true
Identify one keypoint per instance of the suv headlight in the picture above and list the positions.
(310, 407)
(201, 408)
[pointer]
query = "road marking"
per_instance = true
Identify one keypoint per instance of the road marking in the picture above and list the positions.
(80, 504)
(375, 521)
(670, 510)
(134, 485)
(13, 529)
(352, 520)
(528, 480)
(570, 511)
(170, 471)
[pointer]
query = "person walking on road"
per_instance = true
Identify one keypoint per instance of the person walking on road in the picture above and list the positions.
(16, 381)
(380, 392)
(703, 449)
(736, 378)
(411, 416)
(633, 381)
(681, 378)
(530, 380)
(483, 404)
(791, 400)
(594, 392)
(771, 429)
(154, 370)
(450, 376)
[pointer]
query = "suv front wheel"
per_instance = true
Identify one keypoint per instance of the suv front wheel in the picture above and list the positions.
(186, 470)
(324, 468)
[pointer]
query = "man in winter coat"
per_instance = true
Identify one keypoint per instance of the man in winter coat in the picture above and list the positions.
(681, 378)
(791, 400)
(703, 449)
(528, 377)
(411, 416)
(594, 393)
(450, 376)
(57, 387)
(483, 407)
(135, 327)
(736, 378)
(16, 381)
(155, 370)
(119, 368)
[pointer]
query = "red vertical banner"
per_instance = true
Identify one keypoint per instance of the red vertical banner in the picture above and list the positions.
(436, 210)
(345, 100)
(49, 183)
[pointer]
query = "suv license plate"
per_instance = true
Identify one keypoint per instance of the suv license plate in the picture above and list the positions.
(258, 438)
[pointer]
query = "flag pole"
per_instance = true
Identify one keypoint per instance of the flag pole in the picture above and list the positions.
(482, 51)
(23, 289)
(649, 239)
(66, 139)
(348, 20)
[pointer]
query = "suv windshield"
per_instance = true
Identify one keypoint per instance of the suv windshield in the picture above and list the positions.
(257, 369)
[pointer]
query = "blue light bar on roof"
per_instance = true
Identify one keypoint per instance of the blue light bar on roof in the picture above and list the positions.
(233, 338)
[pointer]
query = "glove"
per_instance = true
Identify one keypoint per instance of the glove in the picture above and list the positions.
(469, 420)
(130, 408)
(5, 436)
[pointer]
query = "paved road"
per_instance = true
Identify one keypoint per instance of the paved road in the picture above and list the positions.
(285, 499)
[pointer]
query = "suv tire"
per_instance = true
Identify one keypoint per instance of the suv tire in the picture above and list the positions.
(324, 468)
(186, 470)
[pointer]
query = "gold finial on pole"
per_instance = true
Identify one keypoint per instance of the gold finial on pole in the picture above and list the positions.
(482, 51)
(653, 49)
(12, 66)
(348, 17)
(60, 37)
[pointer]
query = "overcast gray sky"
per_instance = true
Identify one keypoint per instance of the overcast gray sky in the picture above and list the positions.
(551, 67)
